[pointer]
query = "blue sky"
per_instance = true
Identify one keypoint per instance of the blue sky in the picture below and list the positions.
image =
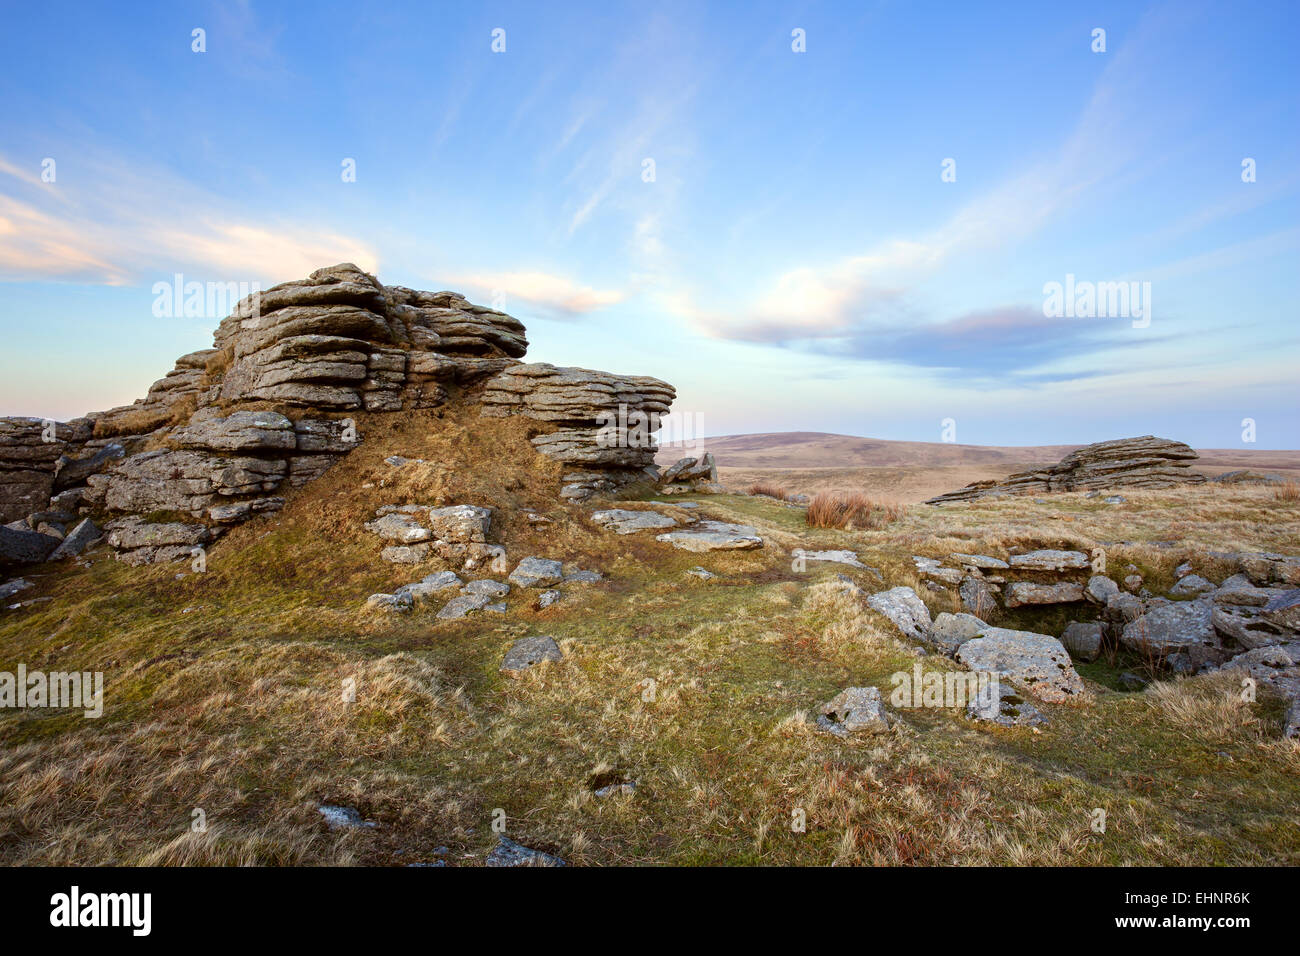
(796, 263)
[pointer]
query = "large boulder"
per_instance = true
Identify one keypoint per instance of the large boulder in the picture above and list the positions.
(1167, 628)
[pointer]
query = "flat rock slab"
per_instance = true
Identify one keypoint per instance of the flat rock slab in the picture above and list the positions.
(1037, 662)
(907, 611)
(981, 561)
(528, 652)
(509, 853)
(1022, 593)
(488, 587)
(1049, 560)
(835, 557)
(622, 521)
(714, 536)
(464, 604)
(431, 585)
(537, 573)
(854, 710)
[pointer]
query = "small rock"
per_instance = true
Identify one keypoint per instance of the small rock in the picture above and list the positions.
(701, 573)
(464, 604)
(907, 611)
(1083, 640)
(343, 817)
(487, 587)
(583, 577)
(547, 598)
(509, 853)
(1002, 705)
(1191, 584)
(528, 652)
(1100, 589)
(852, 710)
(389, 602)
(406, 553)
(835, 557)
(1133, 583)
(536, 572)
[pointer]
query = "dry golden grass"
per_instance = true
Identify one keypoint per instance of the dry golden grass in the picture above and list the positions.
(771, 491)
(1287, 491)
(851, 511)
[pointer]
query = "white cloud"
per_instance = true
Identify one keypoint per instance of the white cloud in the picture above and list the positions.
(556, 294)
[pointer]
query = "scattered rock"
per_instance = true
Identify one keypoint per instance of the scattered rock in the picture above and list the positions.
(1001, 704)
(509, 853)
(713, 536)
(701, 573)
(951, 631)
(462, 605)
(547, 598)
(622, 521)
(1170, 627)
(853, 710)
(487, 588)
(10, 588)
(1100, 589)
(533, 572)
(434, 584)
(1191, 584)
(977, 596)
(1133, 583)
(1036, 662)
(401, 601)
(907, 611)
(583, 577)
(1083, 640)
(343, 817)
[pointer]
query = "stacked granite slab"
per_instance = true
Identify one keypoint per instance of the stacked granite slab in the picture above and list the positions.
(230, 430)
(1146, 462)
(605, 423)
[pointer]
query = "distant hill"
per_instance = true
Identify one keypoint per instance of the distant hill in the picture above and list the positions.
(910, 471)
(826, 450)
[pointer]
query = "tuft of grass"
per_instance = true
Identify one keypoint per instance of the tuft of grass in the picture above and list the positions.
(851, 511)
(772, 491)
(1287, 491)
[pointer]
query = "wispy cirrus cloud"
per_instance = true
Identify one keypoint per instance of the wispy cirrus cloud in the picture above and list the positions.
(557, 296)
